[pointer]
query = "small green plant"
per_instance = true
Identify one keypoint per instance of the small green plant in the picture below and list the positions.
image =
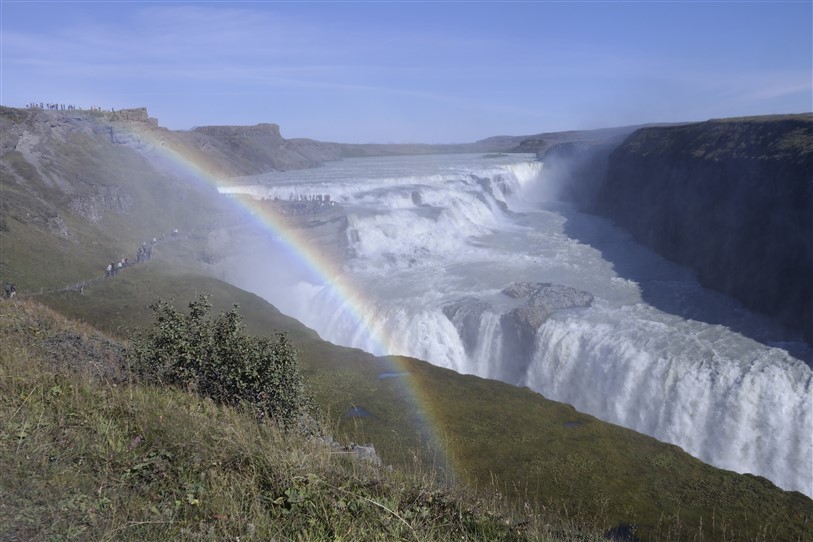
(215, 357)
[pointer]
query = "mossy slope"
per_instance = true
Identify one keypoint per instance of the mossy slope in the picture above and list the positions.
(90, 458)
(483, 433)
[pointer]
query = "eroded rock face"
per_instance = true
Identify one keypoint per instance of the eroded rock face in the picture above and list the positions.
(518, 290)
(536, 302)
(466, 314)
(93, 206)
(731, 199)
(519, 326)
(57, 226)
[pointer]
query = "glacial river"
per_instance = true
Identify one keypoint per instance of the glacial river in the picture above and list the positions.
(655, 351)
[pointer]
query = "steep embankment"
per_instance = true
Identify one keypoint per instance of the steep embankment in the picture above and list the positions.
(731, 199)
(88, 454)
(528, 448)
(81, 189)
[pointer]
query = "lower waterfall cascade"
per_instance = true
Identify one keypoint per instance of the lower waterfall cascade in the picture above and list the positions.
(434, 240)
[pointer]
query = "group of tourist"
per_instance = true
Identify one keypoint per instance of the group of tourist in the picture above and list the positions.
(301, 204)
(112, 269)
(143, 254)
(60, 107)
(325, 198)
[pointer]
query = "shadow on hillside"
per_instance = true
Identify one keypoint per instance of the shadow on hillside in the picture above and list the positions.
(674, 289)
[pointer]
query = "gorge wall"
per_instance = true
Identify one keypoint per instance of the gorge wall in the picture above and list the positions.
(731, 199)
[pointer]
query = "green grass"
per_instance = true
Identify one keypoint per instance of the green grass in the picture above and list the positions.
(82, 458)
(486, 435)
(787, 139)
(134, 202)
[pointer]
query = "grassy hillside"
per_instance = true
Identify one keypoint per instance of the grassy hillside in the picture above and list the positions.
(85, 455)
(494, 435)
(76, 200)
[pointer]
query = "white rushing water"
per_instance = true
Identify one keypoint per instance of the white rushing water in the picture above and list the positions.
(655, 352)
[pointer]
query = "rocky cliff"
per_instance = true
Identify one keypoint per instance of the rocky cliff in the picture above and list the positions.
(731, 199)
(83, 188)
(256, 149)
(539, 143)
(78, 184)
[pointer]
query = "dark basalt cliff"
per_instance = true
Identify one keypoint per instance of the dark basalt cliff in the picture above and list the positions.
(731, 199)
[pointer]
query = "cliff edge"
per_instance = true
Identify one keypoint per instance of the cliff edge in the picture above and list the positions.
(732, 199)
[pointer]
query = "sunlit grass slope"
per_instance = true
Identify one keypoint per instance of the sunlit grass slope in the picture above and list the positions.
(86, 455)
(535, 452)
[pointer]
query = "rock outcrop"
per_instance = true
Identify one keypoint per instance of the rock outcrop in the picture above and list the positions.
(81, 188)
(534, 303)
(539, 143)
(519, 325)
(137, 114)
(731, 199)
(465, 314)
(253, 149)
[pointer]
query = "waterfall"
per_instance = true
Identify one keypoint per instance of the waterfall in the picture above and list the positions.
(435, 240)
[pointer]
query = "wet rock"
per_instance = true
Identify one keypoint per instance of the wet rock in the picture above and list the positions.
(488, 187)
(465, 314)
(553, 297)
(537, 301)
(548, 297)
(519, 326)
(517, 290)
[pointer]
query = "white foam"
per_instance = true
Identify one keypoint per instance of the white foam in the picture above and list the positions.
(431, 230)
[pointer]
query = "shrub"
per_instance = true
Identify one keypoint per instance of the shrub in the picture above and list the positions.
(217, 358)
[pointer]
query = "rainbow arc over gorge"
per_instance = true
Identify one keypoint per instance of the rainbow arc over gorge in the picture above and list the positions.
(194, 164)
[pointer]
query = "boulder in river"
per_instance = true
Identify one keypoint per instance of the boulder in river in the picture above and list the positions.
(519, 325)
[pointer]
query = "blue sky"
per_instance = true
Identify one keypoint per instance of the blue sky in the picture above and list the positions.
(412, 71)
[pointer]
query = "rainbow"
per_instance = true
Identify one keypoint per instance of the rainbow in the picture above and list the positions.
(200, 168)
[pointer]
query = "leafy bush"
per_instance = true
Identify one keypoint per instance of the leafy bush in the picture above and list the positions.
(217, 358)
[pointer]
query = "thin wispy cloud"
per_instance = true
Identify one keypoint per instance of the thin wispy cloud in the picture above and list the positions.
(510, 68)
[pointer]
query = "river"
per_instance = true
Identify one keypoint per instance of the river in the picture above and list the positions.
(655, 352)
